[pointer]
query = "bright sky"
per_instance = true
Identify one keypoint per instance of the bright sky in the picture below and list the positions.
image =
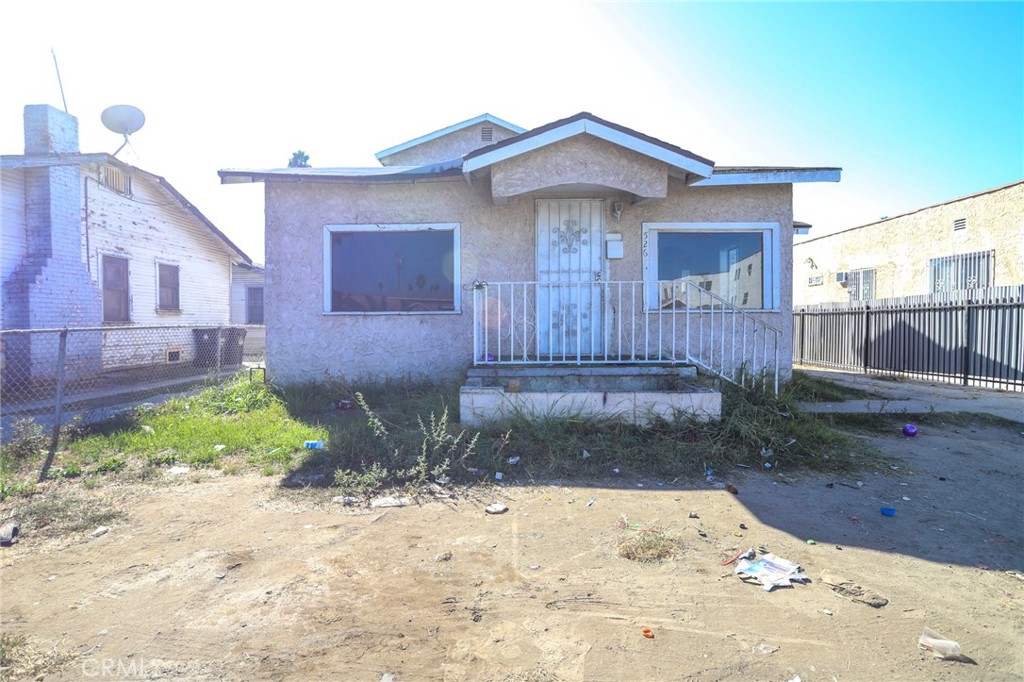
(917, 102)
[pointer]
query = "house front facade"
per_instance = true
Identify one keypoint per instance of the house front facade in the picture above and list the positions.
(971, 242)
(577, 242)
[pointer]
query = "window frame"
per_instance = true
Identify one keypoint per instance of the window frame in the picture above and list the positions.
(160, 308)
(248, 303)
(960, 263)
(127, 287)
(859, 288)
(771, 253)
(454, 228)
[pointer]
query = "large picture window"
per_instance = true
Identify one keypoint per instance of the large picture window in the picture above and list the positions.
(394, 268)
(736, 262)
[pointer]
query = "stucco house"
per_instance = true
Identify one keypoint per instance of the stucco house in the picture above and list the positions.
(970, 242)
(489, 247)
(90, 241)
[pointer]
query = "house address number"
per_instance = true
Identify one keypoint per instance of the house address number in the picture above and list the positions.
(815, 280)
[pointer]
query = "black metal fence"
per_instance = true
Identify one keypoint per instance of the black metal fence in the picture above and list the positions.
(973, 337)
(47, 373)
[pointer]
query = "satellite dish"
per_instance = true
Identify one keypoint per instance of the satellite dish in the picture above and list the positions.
(123, 119)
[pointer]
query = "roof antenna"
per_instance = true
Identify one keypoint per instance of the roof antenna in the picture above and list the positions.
(59, 82)
(124, 119)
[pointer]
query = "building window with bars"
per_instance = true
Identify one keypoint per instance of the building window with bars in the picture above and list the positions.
(961, 271)
(860, 284)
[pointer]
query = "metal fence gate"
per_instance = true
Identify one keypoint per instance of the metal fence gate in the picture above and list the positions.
(971, 337)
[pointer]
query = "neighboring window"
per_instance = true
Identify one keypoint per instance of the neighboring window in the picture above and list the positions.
(116, 304)
(961, 271)
(860, 284)
(960, 224)
(396, 268)
(117, 180)
(254, 305)
(167, 281)
(711, 255)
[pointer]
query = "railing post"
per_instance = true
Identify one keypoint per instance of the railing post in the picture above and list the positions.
(968, 335)
(867, 337)
(58, 404)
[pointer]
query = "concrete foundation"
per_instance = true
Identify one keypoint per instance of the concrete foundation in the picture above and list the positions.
(637, 395)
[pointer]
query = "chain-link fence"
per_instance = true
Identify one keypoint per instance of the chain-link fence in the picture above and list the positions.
(45, 373)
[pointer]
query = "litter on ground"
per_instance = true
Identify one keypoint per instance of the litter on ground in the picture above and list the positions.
(771, 571)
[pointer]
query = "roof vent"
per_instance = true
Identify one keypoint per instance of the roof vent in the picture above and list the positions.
(487, 134)
(960, 224)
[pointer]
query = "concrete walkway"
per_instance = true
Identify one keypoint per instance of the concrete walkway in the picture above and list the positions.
(913, 396)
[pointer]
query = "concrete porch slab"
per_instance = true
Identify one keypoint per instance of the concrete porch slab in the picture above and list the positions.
(636, 395)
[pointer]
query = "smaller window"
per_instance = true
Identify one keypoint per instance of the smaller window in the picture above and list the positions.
(746, 297)
(737, 275)
(168, 298)
(116, 301)
(487, 134)
(706, 285)
(860, 285)
(254, 305)
(117, 180)
(960, 224)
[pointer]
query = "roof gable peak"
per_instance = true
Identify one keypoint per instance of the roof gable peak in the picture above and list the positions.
(455, 127)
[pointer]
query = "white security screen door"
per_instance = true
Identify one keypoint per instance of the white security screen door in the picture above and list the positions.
(570, 237)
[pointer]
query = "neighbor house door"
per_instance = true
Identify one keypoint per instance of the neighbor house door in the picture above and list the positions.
(570, 236)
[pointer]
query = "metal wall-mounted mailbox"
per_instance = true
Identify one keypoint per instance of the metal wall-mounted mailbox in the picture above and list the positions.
(613, 246)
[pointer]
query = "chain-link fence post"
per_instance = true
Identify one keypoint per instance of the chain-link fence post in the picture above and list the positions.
(58, 404)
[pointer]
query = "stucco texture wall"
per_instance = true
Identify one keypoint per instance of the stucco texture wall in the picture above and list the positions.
(497, 243)
(450, 146)
(899, 249)
(580, 159)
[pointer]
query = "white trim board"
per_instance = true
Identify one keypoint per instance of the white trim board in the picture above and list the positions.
(591, 128)
(770, 177)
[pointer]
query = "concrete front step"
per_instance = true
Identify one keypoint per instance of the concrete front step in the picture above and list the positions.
(635, 394)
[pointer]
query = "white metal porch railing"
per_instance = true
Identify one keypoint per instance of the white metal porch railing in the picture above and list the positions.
(621, 323)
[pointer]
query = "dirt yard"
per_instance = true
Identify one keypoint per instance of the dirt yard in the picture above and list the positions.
(211, 577)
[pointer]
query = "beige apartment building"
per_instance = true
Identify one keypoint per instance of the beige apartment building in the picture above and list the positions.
(972, 242)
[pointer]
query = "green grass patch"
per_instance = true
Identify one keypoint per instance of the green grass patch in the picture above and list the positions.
(243, 425)
(402, 434)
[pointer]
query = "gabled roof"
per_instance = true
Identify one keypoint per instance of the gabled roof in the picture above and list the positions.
(482, 118)
(20, 161)
(694, 169)
(585, 122)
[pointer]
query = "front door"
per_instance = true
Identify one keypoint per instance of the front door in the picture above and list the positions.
(570, 236)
